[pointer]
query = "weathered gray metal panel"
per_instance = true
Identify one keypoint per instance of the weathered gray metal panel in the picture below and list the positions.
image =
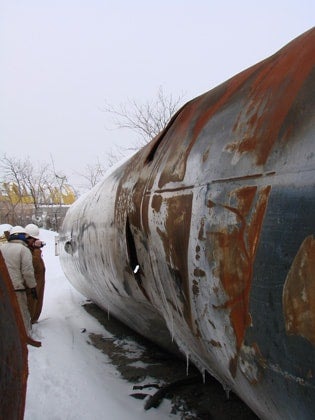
(205, 236)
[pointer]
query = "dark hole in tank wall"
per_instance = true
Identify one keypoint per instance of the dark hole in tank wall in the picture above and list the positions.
(153, 150)
(131, 248)
(69, 247)
(133, 261)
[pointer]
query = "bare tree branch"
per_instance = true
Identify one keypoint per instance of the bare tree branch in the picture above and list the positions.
(25, 187)
(148, 119)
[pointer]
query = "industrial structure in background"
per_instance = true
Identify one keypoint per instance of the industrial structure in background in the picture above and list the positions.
(47, 208)
(204, 239)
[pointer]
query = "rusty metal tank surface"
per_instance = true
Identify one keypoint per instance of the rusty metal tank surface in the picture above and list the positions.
(205, 237)
(13, 351)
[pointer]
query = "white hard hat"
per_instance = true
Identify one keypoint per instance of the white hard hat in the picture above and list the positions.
(5, 228)
(32, 230)
(17, 229)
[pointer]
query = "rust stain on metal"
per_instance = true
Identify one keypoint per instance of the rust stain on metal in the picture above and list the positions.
(201, 233)
(195, 288)
(198, 272)
(243, 178)
(252, 364)
(254, 228)
(235, 251)
(215, 343)
(143, 223)
(197, 256)
(199, 110)
(175, 164)
(299, 293)
(259, 123)
(218, 98)
(156, 202)
(210, 204)
(205, 155)
(262, 116)
(175, 242)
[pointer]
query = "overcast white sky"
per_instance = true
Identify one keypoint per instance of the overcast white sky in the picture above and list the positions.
(62, 60)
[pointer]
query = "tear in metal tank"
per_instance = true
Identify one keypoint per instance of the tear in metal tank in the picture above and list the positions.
(205, 237)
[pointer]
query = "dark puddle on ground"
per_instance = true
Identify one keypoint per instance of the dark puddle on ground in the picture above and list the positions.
(151, 369)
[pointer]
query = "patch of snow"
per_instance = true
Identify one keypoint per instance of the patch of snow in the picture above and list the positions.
(69, 379)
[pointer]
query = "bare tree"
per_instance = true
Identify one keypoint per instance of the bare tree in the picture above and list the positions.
(27, 190)
(114, 156)
(92, 174)
(148, 119)
(57, 182)
(13, 187)
(34, 181)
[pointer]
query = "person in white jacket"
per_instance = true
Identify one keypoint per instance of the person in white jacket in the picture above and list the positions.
(19, 262)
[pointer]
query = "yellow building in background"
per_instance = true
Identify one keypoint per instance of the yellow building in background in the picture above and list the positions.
(10, 192)
(47, 207)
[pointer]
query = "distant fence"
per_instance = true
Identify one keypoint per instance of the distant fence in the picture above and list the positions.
(47, 217)
(47, 209)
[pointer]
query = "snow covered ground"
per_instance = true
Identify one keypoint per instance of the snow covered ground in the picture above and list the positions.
(70, 379)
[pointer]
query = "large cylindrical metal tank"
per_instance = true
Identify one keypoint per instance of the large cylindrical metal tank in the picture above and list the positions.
(205, 237)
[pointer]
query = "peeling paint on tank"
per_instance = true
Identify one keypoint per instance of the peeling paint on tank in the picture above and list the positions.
(215, 343)
(156, 202)
(175, 242)
(283, 77)
(251, 363)
(234, 246)
(299, 293)
(178, 150)
(199, 273)
(195, 288)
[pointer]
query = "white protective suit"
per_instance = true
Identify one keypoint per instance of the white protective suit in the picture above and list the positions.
(18, 259)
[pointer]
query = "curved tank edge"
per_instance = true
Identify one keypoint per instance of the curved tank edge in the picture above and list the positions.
(210, 225)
